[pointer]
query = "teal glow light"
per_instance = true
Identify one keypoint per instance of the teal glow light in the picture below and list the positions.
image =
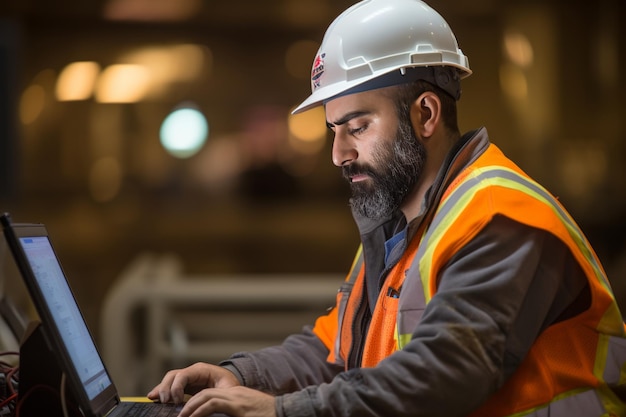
(184, 132)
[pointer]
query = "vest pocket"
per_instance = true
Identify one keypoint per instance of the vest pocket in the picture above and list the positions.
(390, 302)
(390, 315)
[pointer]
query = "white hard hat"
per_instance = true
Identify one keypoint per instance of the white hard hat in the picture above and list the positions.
(376, 43)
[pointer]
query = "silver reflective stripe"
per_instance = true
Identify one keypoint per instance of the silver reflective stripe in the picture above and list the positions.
(411, 305)
(582, 404)
(615, 359)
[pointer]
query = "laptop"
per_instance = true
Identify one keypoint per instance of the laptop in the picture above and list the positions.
(64, 331)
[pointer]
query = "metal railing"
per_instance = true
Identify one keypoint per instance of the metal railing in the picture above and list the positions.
(154, 318)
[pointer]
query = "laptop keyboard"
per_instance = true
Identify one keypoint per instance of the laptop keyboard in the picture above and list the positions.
(139, 409)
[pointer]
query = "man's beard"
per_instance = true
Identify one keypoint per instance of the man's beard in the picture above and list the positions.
(396, 168)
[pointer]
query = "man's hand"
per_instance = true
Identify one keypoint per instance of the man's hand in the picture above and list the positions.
(190, 380)
(235, 401)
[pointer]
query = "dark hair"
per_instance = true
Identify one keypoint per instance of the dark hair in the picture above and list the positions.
(406, 94)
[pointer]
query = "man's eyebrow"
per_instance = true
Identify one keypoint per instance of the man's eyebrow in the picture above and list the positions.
(345, 119)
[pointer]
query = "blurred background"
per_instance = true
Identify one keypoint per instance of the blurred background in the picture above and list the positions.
(162, 126)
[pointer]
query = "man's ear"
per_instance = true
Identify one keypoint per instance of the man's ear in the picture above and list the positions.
(426, 114)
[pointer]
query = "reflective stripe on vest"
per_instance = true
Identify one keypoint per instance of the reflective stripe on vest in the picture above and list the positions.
(586, 403)
(456, 202)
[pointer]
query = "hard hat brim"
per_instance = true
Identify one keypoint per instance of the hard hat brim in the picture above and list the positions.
(330, 92)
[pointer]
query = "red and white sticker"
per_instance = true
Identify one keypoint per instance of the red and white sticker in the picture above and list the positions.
(318, 71)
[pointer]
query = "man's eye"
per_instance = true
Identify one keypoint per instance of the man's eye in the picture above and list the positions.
(357, 130)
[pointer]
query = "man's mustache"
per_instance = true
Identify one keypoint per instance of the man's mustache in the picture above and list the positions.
(349, 171)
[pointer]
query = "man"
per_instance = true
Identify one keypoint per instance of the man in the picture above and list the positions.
(473, 292)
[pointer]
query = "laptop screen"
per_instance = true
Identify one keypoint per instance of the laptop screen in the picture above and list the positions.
(66, 315)
(61, 319)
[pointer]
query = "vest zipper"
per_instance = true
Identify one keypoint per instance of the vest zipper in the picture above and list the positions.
(359, 336)
(363, 318)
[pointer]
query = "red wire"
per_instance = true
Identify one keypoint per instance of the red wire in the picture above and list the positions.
(8, 400)
(29, 393)
(10, 372)
(10, 376)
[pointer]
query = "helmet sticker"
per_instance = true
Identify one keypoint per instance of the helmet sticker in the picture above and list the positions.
(317, 71)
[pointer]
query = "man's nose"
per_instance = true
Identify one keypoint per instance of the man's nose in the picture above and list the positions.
(344, 153)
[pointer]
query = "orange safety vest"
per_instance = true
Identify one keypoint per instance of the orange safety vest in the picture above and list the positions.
(571, 365)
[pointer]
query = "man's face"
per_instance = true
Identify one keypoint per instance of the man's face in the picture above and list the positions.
(378, 152)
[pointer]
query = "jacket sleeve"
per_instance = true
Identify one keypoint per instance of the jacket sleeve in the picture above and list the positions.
(298, 362)
(301, 360)
(494, 298)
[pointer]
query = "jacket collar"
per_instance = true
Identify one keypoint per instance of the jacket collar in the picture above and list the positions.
(468, 148)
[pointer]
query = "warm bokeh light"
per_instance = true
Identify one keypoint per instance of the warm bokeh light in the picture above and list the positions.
(308, 126)
(528, 75)
(32, 103)
(123, 83)
(76, 81)
(518, 49)
(184, 132)
(308, 130)
(170, 64)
